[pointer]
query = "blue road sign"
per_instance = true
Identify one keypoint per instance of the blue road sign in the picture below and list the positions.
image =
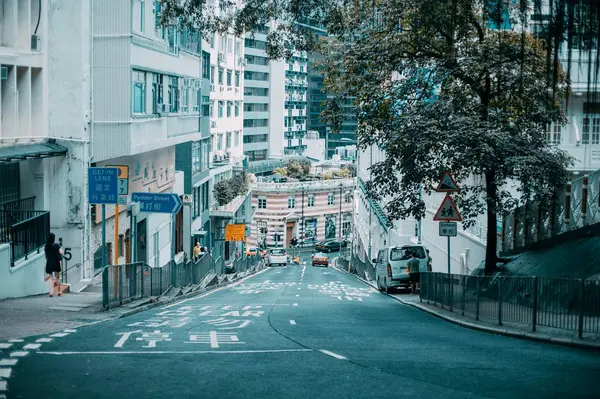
(158, 203)
(103, 185)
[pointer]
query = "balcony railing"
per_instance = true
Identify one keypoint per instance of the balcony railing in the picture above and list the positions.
(25, 204)
(25, 231)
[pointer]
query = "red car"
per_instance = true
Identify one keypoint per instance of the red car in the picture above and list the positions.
(320, 259)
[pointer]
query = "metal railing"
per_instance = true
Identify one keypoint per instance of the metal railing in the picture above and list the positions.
(565, 304)
(25, 230)
(25, 204)
(124, 283)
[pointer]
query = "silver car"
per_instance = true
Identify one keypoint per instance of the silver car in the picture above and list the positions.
(277, 256)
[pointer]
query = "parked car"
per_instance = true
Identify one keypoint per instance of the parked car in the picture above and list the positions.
(277, 256)
(330, 246)
(320, 259)
(391, 268)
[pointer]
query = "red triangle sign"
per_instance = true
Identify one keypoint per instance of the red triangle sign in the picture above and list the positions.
(447, 212)
(447, 184)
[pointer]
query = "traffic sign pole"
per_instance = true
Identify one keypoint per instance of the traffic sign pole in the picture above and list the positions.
(448, 254)
(103, 235)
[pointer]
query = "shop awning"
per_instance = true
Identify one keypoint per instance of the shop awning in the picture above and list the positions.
(22, 152)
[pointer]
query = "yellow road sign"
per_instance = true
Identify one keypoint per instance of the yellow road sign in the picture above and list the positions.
(235, 232)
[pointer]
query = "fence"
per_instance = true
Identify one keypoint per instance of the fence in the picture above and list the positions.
(124, 283)
(25, 230)
(566, 304)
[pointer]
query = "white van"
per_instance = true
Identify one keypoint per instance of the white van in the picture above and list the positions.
(391, 269)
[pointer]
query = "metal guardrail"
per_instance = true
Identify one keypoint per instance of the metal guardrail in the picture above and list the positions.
(25, 230)
(124, 283)
(566, 304)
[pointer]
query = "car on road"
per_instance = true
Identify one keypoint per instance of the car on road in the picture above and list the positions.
(391, 267)
(277, 256)
(252, 251)
(320, 259)
(330, 246)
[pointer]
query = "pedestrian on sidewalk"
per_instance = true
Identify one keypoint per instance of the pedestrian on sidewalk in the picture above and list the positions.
(53, 257)
(413, 268)
(197, 251)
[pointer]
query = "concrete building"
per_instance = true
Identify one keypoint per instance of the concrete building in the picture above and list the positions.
(309, 211)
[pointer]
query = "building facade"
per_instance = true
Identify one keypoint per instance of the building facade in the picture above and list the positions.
(309, 211)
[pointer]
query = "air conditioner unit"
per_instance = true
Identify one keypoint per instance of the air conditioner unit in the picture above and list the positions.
(4, 73)
(36, 43)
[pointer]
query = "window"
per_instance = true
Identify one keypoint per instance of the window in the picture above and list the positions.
(237, 79)
(291, 67)
(236, 142)
(212, 74)
(258, 44)
(228, 140)
(291, 202)
(301, 68)
(238, 47)
(139, 92)
(212, 41)
(189, 40)
(229, 109)
(591, 129)
(206, 104)
(195, 157)
(330, 199)
(256, 155)
(229, 45)
(256, 122)
(220, 76)
(262, 203)
(140, 13)
(254, 107)
(237, 109)
(256, 91)
(205, 65)
(157, 93)
(553, 133)
(159, 30)
(222, 44)
(219, 142)
(260, 76)
(211, 107)
(256, 60)
(348, 197)
(221, 105)
(186, 94)
(229, 78)
(256, 138)
(311, 200)
(173, 94)
(173, 40)
(346, 228)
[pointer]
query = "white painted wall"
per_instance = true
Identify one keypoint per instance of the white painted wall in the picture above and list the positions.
(26, 278)
(277, 109)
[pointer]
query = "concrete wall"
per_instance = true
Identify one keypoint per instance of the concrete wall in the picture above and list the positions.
(26, 278)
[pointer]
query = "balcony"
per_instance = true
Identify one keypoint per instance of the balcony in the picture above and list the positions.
(229, 210)
(294, 149)
(25, 230)
(150, 134)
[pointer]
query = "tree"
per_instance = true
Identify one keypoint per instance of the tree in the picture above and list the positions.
(298, 168)
(226, 191)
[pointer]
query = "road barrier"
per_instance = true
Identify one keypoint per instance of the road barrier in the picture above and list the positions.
(124, 283)
(565, 304)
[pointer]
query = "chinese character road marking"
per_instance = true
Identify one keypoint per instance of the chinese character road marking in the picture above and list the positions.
(225, 322)
(214, 339)
(151, 337)
(162, 322)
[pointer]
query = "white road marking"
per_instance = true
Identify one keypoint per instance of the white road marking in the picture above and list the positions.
(293, 322)
(15, 340)
(70, 331)
(3, 386)
(59, 335)
(19, 354)
(173, 352)
(295, 304)
(217, 290)
(328, 353)
(299, 288)
(44, 340)
(32, 346)
(297, 295)
(5, 373)
(8, 362)
(5, 346)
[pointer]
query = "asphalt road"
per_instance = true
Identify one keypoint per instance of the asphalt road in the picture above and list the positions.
(291, 332)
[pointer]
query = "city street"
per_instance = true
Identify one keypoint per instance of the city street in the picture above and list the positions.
(297, 331)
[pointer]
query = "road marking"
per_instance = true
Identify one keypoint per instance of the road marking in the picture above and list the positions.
(173, 352)
(69, 331)
(5, 346)
(32, 346)
(299, 288)
(3, 386)
(295, 304)
(15, 340)
(8, 362)
(328, 353)
(297, 295)
(19, 354)
(293, 322)
(59, 335)
(5, 373)
(44, 340)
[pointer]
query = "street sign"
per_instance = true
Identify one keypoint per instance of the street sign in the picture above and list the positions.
(235, 232)
(103, 185)
(186, 199)
(447, 212)
(448, 229)
(123, 178)
(447, 184)
(158, 202)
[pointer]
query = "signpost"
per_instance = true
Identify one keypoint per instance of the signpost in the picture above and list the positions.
(448, 214)
(103, 189)
(123, 187)
(160, 203)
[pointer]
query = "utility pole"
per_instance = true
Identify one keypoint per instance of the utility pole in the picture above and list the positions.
(302, 218)
(340, 224)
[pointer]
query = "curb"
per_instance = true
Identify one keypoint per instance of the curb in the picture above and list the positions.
(498, 331)
(205, 290)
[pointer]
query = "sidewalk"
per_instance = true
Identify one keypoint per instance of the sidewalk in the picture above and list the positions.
(543, 334)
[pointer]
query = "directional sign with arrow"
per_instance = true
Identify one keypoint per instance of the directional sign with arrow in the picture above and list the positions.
(157, 202)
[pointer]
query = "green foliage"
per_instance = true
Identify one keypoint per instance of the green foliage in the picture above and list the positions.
(298, 168)
(226, 191)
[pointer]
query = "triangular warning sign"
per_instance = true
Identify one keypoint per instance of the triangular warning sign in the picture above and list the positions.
(447, 184)
(447, 212)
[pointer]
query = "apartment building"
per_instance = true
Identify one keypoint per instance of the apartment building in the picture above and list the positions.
(309, 211)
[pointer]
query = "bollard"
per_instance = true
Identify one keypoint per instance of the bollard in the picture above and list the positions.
(535, 304)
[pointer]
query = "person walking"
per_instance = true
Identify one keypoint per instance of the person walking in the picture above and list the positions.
(53, 257)
(197, 251)
(413, 268)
